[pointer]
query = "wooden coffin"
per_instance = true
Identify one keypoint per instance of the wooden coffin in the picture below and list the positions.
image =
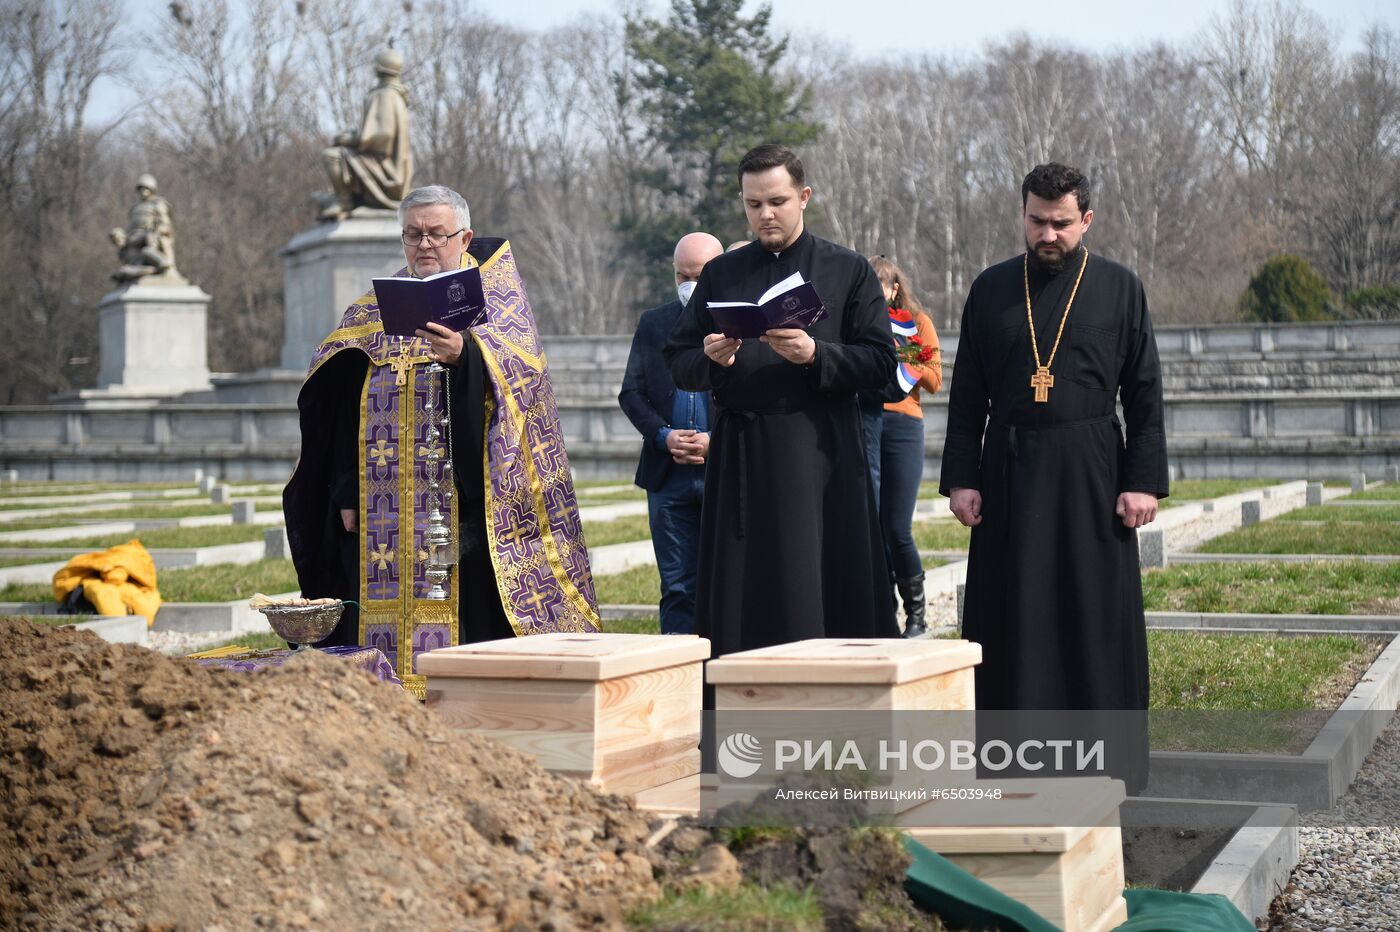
(876, 674)
(1053, 844)
(619, 710)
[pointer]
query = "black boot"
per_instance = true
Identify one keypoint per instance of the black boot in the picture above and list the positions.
(911, 590)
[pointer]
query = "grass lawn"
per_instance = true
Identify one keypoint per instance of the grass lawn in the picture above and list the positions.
(220, 583)
(750, 907)
(52, 621)
(637, 586)
(265, 640)
(1260, 672)
(942, 534)
(632, 626)
(1385, 493)
(138, 512)
(1334, 588)
(1358, 537)
(616, 531)
(1249, 693)
(1198, 489)
(171, 538)
(633, 494)
(1369, 514)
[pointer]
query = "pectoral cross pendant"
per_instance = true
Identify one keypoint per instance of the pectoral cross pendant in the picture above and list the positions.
(1042, 382)
(401, 364)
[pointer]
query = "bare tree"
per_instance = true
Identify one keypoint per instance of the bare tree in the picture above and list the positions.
(53, 52)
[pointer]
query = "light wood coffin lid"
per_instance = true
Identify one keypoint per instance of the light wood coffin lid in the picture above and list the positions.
(1034, 815)
(563, 656)
(888, 661)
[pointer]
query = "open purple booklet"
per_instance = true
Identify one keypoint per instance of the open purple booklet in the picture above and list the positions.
(453, 299)
(790, 304)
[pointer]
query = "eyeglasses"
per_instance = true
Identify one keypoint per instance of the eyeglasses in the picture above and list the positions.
(433, 240)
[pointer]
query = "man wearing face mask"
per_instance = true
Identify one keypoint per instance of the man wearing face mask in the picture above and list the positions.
(675, 429)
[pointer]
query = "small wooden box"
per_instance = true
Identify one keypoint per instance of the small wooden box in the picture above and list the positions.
(619, 710)
(880, 674)
(1054, 844)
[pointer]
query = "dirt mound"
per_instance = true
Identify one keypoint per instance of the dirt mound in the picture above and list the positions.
(142, 791)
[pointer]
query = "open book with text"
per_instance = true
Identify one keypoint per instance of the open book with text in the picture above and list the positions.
(453, 299)
(790, 304)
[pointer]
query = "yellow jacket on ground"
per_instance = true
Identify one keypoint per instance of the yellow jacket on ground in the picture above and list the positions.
(117, 581)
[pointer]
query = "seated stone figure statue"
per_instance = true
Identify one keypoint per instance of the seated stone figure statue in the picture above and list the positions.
(147, 245)
(372, 167)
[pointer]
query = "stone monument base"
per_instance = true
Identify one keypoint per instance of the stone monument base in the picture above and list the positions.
(328, 267)
(154, 338)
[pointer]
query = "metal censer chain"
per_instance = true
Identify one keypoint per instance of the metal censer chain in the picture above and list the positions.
(439, 537)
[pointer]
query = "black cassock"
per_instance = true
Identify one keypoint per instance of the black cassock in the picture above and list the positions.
(1054, 592)
(790, 543)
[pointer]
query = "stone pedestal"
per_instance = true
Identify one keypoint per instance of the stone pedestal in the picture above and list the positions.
(154, 337)
(328, 267)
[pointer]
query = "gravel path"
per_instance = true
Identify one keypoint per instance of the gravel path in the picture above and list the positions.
(1349, 875)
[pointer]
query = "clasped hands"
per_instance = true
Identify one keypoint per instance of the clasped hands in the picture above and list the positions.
(793, 344)
(1135, 509)
(688, 447)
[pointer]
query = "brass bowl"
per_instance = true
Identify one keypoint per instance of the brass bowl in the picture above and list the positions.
(303, 625)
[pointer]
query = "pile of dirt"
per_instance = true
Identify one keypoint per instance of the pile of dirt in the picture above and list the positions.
(145, 792)
(141, 791)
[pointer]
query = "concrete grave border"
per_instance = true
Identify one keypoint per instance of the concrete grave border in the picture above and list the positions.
(1314, 779)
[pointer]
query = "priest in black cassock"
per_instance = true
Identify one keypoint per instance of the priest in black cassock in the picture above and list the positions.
(1053, 492)
(790, 543)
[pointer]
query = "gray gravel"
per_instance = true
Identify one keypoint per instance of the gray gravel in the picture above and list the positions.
(1349, 875)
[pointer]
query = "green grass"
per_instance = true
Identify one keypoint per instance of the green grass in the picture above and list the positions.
(264, 640)
(1292, 537)
(638, 586)
(616, 531)
(219, 583)
(1385, 493)
(750, 908)
(632, 626)
(1259, 672)
(51, 621)
(23, 489)
(1364, 514)
(607, 498)
(942, 534)
(137, 513)
(1332, 588)
(1198, 489)
(172, 538)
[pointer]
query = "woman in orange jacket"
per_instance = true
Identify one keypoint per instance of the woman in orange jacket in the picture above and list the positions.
(900, 444)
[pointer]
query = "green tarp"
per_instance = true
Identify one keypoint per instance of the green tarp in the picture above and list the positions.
(964, 902)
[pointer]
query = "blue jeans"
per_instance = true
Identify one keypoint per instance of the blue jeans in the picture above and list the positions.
(871, 426)
(674, 514)
(901, 468)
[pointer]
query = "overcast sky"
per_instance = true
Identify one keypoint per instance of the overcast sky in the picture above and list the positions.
(899, 29)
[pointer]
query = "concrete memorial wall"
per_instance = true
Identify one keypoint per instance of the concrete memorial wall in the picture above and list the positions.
(1265, 401)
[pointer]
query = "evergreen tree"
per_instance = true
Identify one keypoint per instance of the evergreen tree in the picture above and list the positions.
(710, 88)
(1286, 288)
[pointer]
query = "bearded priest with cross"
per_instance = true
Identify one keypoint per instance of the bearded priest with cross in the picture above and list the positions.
(1037, 464)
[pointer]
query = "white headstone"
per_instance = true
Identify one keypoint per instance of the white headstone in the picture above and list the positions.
(244, 512)
(1358, 482)
(1314, 494)
(1249, 512)
(1152, 547)
(221, 495)
(1392, 473)
(208, 483)
(275, 544)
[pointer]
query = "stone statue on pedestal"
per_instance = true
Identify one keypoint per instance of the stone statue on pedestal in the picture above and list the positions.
(372, 167)
(147, 245)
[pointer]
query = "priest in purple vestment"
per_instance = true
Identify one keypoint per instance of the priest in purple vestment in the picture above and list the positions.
(357, 502)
